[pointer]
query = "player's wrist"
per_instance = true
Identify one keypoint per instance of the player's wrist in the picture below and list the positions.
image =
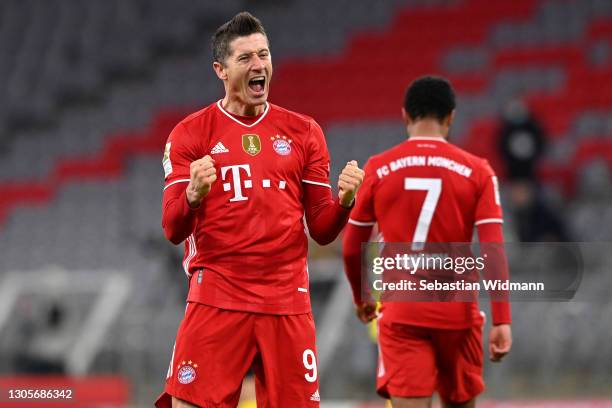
(345, 203)
(360, 299)
(194, 198)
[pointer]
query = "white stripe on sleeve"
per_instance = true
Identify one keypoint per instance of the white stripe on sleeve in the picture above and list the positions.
(177, 181)
(316, 183)
(489, 221)
(361, 223)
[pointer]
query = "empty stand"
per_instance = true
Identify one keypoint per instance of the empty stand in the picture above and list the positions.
(93, 89)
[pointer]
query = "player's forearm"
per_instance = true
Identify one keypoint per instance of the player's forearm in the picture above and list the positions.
(501, 313)
(326, 224)
(324, 215)
(491, 243)
(178, 218)
(351, 250)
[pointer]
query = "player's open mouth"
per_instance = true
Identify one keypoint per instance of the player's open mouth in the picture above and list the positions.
(257, 84)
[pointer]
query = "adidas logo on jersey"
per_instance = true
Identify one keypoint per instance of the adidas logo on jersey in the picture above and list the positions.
(315, 396)
(219, 148)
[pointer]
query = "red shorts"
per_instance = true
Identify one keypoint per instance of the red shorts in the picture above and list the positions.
(215, 348)
(416, 361)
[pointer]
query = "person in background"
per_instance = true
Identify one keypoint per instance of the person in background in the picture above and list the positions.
(426, 190)
(521, 141)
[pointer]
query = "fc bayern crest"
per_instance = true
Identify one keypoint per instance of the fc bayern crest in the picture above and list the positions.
(281, 145)
(186, 373)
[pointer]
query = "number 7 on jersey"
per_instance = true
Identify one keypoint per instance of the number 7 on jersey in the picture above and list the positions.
(434, 188)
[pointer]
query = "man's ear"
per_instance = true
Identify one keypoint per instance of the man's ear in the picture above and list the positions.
(220, 70)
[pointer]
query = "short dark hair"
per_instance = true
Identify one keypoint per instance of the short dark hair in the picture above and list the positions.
(242, 24)
(429, 97)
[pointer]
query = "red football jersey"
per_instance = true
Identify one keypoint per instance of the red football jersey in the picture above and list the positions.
(248, 250)
(428, 190)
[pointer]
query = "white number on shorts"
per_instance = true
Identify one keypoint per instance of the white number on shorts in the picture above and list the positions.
(310, 362)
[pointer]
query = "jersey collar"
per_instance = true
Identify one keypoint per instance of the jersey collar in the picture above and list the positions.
(263, 115)
(433, 139)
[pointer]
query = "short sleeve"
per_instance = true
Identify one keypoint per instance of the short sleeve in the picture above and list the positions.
(316, 169)
(363, 212)
(488, 208)
(177, 157)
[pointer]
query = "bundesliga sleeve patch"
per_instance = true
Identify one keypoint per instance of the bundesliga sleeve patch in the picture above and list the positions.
(166, 161)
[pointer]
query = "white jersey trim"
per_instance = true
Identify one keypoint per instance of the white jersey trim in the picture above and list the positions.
(229, 115)
(361, 223)
(316, 183)
(177, 181)
(489, 221)
(435, 139)
(192, 253)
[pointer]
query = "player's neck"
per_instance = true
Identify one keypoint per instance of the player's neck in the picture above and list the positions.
(238, 108)
(427, 128)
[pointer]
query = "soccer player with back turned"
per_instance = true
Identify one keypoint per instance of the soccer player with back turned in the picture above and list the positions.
(240, 175)
(429, 346)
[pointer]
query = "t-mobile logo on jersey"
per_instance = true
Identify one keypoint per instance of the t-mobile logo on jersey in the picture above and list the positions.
(238, 184)
(236, 180)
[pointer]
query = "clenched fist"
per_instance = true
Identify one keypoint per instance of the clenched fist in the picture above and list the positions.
(348, 183)
(202, 175)
(500, 342)
(366, 311)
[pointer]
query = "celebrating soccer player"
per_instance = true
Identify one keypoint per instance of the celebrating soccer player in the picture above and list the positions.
(438, 198)
(240, 175)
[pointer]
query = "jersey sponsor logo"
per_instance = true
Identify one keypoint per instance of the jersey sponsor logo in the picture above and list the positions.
(186, 372)
(281, 145)
(237, 179)
(251, 144)
(219, 148)
(315, 396)
(237, 182)
(166, 161)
